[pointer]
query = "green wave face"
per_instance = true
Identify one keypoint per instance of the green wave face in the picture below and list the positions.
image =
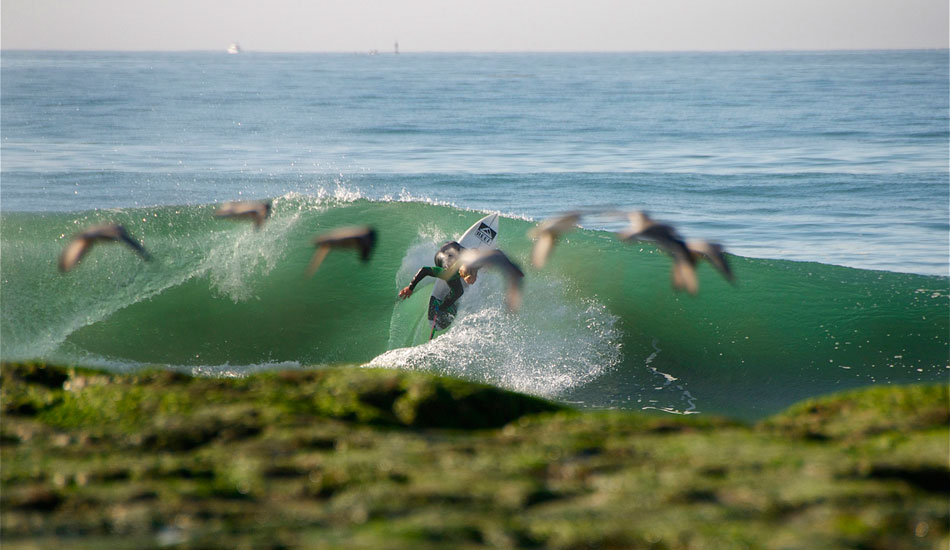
(600, 325)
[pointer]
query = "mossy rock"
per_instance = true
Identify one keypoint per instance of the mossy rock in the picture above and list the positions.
(35, 373)
(418, 400)
(151, 400)
(373, 458)
(860, 413)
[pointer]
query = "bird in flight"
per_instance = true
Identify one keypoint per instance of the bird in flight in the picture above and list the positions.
(256, 211)
(474, 259)
(547, 234)
(362, 238)
(81, 243)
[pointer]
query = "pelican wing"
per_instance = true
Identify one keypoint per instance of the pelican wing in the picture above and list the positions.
(542, 249)
(684, 277)
(513, 297)
(317, 259)
(547, 233)
(74, 251)
(479, 258)
(666, 237)
(476, 259)
(558, 224)
(362, 238)
(714, 254)
(134, 245)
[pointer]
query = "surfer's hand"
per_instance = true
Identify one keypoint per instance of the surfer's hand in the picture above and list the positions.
(405, 293)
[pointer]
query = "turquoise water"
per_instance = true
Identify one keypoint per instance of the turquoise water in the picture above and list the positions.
(600, 325)
(824, 174)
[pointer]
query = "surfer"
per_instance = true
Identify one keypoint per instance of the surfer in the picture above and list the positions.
(442, 312)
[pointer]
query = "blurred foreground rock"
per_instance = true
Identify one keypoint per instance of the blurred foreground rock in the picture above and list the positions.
(360, 458)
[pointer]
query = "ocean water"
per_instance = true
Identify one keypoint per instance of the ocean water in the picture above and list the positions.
(825, 175)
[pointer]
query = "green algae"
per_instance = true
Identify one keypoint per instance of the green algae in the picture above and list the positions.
(370, 458)
(857, 414)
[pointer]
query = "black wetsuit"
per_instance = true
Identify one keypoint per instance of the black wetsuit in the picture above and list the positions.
(443, 311)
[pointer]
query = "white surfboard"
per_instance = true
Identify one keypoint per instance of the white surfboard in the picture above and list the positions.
(482, 234)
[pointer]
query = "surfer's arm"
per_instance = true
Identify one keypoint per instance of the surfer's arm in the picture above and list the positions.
(421, 274)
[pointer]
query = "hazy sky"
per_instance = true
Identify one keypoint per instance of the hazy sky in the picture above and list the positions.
(485, 25)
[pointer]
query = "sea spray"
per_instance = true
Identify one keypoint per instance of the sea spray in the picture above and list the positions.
(551, 345)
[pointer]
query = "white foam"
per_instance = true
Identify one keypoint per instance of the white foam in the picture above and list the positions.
(407, 196)
(73, 354)
(555, 343)
(684, 394)
(227, 370)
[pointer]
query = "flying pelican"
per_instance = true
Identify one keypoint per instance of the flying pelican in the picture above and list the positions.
(547, 234)
(362, 238)
(473, 259)
(643, 227)
(82, 242)
(257, 211)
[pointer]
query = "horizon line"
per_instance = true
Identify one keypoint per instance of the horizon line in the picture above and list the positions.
(376, 51)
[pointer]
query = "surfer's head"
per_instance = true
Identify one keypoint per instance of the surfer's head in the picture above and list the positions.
(447, 255)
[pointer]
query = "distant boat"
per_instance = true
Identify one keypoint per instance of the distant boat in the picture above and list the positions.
(234, 48)
(396, 48)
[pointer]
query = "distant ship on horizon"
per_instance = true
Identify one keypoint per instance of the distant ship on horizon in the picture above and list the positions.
(234, 47)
